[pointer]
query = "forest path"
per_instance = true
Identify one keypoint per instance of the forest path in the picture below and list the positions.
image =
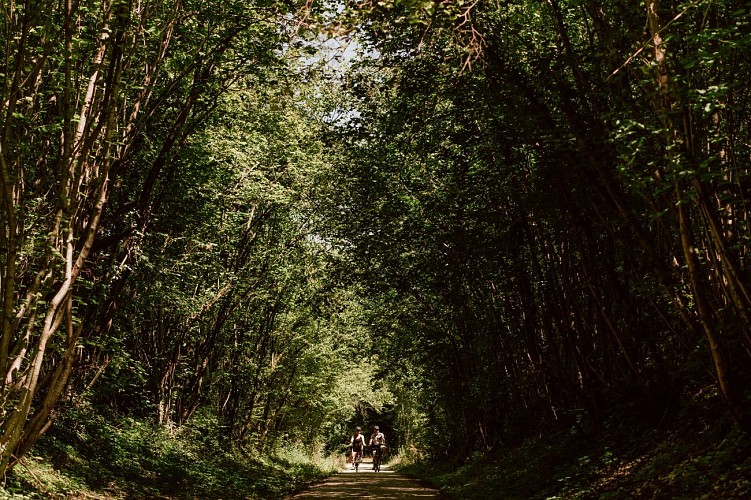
(386, 484)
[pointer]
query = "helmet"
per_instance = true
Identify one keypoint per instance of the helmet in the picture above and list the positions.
(357, 429)
(376, 428)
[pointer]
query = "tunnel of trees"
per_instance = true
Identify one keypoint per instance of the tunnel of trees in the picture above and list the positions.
(479, 220)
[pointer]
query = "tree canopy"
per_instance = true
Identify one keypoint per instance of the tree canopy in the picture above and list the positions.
(479, 220)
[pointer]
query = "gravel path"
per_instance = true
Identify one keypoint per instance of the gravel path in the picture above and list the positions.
(368, 484)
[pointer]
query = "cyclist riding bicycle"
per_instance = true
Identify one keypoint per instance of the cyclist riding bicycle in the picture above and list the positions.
(357, 442)
(377, 445)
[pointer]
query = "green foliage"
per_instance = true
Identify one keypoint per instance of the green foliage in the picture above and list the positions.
(693, 461)
(466, 253)
(99, 104)
(234, 303)
(116, 457)
(520, 228)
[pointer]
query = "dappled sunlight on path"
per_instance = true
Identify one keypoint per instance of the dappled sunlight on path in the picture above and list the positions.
(368, 484)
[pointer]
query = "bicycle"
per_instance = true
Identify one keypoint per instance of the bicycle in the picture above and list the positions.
(356, 460)
(376, 459)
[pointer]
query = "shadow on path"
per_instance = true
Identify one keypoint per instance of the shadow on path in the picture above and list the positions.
(368, 484)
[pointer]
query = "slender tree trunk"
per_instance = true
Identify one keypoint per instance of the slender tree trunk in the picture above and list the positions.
(678, 137)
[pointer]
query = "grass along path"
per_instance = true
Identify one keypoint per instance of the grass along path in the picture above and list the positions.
(383, 485)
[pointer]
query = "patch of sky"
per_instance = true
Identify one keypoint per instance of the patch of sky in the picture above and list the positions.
(335, 56)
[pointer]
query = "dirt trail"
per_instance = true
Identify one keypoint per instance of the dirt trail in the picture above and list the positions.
(367, 484)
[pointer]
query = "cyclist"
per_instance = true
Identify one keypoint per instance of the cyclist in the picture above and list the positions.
(357, 442)
(377, 445)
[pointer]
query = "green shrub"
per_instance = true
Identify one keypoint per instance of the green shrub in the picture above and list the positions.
(109, 456)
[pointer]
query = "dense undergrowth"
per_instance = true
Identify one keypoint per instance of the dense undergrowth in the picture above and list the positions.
(88, 455)
(697, 455)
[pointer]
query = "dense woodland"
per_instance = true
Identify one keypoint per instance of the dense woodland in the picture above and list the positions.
(477, 222)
